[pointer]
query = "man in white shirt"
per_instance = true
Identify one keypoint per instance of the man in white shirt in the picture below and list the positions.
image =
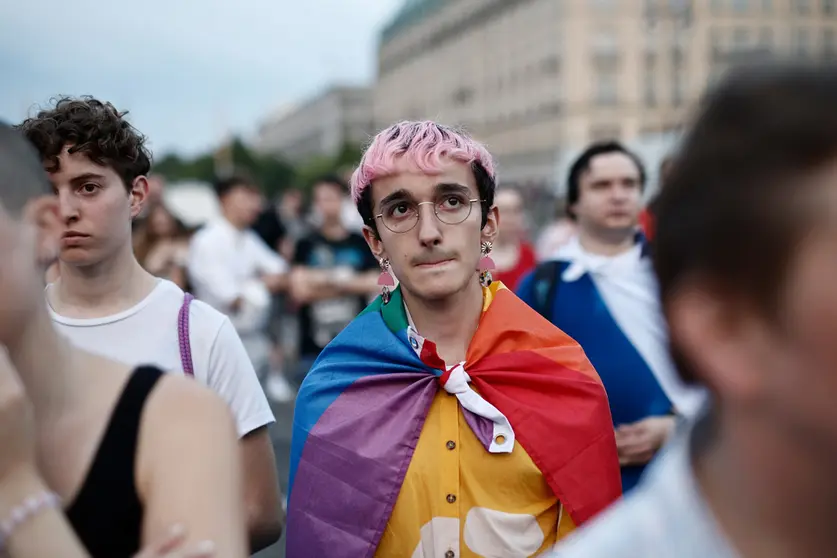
(106, 303)
(744, 251)
(234, 271)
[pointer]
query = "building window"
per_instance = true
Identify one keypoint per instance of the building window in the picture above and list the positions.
(605, 132)
(650, 91)
(740, 5)
(550, 65)
(801, 42)
(716, 41)
(767, 6)
(766, 38)
(463, 96)
(829, 43)
(717, 6)
(801, 7)
(829, 7)
(604, 44)
(740, 38)
(678, 89)
(606, 89)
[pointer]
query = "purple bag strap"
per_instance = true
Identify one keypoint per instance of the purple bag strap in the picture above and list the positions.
(183, 336)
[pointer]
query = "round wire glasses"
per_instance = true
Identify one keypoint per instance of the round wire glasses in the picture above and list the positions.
(401, 216)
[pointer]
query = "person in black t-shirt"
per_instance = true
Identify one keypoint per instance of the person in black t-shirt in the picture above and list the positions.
(333, 277)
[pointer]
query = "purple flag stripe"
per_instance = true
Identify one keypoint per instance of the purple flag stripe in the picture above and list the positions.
(355, 458)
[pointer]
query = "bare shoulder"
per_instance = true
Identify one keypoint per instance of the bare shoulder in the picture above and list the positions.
(182, 402)
(187, 443)
(183, 423)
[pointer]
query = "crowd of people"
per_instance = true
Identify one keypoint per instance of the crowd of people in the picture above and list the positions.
(646, 379)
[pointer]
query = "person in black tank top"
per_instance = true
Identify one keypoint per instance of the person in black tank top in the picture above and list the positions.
(107, 513)
(185, 456)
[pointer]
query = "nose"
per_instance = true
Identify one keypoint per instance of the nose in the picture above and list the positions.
(67, 206)
(429, 227)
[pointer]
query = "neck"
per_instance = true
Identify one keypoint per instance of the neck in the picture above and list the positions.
(774, 494)
(333, 230)
(103, 289)
(229, 218)
(451, 322)
(606, 243)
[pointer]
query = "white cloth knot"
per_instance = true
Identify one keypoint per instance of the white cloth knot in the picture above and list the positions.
(458, 381)
(502, 440)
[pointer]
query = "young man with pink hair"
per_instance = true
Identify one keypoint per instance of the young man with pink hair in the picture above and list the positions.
(448, 419)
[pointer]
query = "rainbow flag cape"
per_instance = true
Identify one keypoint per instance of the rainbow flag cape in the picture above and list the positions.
(362, 406)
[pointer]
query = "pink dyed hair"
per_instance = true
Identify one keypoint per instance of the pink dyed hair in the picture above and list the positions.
(424, 144)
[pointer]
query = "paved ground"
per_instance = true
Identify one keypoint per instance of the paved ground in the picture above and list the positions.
(281, 435)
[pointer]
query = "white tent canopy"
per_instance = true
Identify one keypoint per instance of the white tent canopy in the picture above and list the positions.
(194, 203)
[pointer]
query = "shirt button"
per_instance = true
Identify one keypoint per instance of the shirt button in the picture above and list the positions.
(450, 554)
(450, 445)
(451, 498)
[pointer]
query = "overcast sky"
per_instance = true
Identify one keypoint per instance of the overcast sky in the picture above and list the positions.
(188, 70)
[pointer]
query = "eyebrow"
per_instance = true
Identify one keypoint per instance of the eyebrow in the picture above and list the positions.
(86, 176)
(451, 187)
(395, 196)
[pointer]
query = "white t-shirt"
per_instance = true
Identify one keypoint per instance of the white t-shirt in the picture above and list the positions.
(147, 334)
(226, 263)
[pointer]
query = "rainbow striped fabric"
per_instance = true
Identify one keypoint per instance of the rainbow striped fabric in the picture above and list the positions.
(362, 406)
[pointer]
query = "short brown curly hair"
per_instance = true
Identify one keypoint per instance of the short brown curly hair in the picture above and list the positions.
(93, 127)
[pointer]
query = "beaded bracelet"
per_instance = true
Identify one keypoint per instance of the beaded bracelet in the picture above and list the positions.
(30, 507)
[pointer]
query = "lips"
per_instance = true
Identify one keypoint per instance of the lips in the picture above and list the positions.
(74, 234)
(73, 238)
(434, 264)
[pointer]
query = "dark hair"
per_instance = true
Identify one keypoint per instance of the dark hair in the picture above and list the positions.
(582, 164)
(333, 180)
(91, 127)
(22, 175)
(145, 238)
(486, 187)
(224, 186)
(733, 209)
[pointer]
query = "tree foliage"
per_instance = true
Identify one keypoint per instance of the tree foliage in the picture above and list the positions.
(272, 173)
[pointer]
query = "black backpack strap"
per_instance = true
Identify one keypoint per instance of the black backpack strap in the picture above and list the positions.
(545, 288)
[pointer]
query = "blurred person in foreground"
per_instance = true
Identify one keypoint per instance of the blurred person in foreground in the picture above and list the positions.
(106, 303)
(512, 254)
(600, 289)
(333, 274)
(393, 452)
(745, 254)
(32, 524)
(128, 451)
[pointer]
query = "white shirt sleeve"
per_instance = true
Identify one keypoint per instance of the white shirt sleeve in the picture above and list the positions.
(267, 261)
(231, 375)
(210, 273)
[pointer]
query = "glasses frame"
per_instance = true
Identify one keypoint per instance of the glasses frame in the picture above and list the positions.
(435, 212)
